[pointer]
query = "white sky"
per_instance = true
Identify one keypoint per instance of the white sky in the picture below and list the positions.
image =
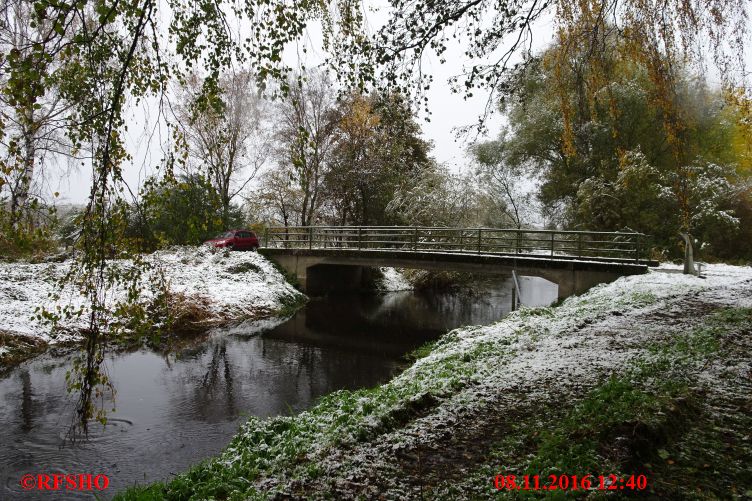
(448, 112)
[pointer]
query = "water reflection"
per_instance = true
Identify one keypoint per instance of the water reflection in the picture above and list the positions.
(172, 412)
(26, 402)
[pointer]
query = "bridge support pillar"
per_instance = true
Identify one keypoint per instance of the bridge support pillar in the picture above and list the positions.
(573, 282)
(317, 278)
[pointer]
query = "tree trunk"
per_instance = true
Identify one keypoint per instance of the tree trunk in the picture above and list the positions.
(689, 262)
(20, 198)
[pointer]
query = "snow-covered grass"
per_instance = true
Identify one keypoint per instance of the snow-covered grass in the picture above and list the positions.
(237, 285)
(230, 286)
(347, 444)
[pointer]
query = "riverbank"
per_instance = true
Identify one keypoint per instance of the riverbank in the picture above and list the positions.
(205, 288)
(649, 375)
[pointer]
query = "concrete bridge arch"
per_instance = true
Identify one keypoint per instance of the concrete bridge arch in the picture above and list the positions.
(321, 271)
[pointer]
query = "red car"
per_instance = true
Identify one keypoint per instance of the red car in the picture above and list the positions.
(236, 240)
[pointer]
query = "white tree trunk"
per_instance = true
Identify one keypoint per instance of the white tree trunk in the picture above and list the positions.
(689, 262)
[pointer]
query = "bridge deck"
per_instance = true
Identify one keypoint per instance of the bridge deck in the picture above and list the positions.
(328, 257)
(473, 261)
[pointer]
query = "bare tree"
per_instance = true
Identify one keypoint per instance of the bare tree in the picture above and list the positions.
(278, 199)
(227, 133)
(305, 138)
(503, 192)
(503, 187)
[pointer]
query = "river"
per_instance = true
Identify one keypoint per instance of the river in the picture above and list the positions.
(174, 410)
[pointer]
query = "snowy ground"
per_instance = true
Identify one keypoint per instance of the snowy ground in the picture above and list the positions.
(530, 356)
(393, 281)
(232, 285)
(424, 431)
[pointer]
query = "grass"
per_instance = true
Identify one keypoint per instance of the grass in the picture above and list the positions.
(146, 323)
(421, 351)
(291, 304)
(652, 418)
(288, 445)
(281, 444)
(602, 433)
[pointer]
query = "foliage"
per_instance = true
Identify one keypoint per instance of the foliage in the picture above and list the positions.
(340, 162)
(304, 142)
(69, 228)
(31, 236)
(657, 35)
(98, 57)
(442, 280)
(436, 197)
(180, 211)
(277, 199)
(613, 166)
(378, 150)
(31, 124)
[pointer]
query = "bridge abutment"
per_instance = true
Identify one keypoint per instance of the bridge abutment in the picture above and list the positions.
(573, 282)
(317, 278)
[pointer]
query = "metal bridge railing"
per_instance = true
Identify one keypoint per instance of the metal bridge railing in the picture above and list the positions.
(613, 246)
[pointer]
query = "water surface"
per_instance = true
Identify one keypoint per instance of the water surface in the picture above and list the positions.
(172, 411)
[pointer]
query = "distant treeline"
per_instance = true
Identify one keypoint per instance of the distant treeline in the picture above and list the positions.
(319, 156)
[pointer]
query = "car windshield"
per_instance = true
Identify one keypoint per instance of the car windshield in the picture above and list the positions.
(227, 234)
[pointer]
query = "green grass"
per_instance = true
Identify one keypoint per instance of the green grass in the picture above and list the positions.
(651, 418)
(286, 445)
(280, 444)
(291, 304)
(421, 351)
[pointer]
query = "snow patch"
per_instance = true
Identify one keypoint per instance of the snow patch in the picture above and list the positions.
(234, 285)
(393, 280)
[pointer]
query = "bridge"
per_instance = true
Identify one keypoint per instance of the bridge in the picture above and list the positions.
(336, 258)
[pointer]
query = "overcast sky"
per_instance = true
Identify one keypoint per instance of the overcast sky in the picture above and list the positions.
(448, 111)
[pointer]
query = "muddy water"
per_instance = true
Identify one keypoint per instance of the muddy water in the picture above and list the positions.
(172, 411)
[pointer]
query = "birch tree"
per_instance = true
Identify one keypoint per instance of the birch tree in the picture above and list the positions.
(33, 122)
(228, 133)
